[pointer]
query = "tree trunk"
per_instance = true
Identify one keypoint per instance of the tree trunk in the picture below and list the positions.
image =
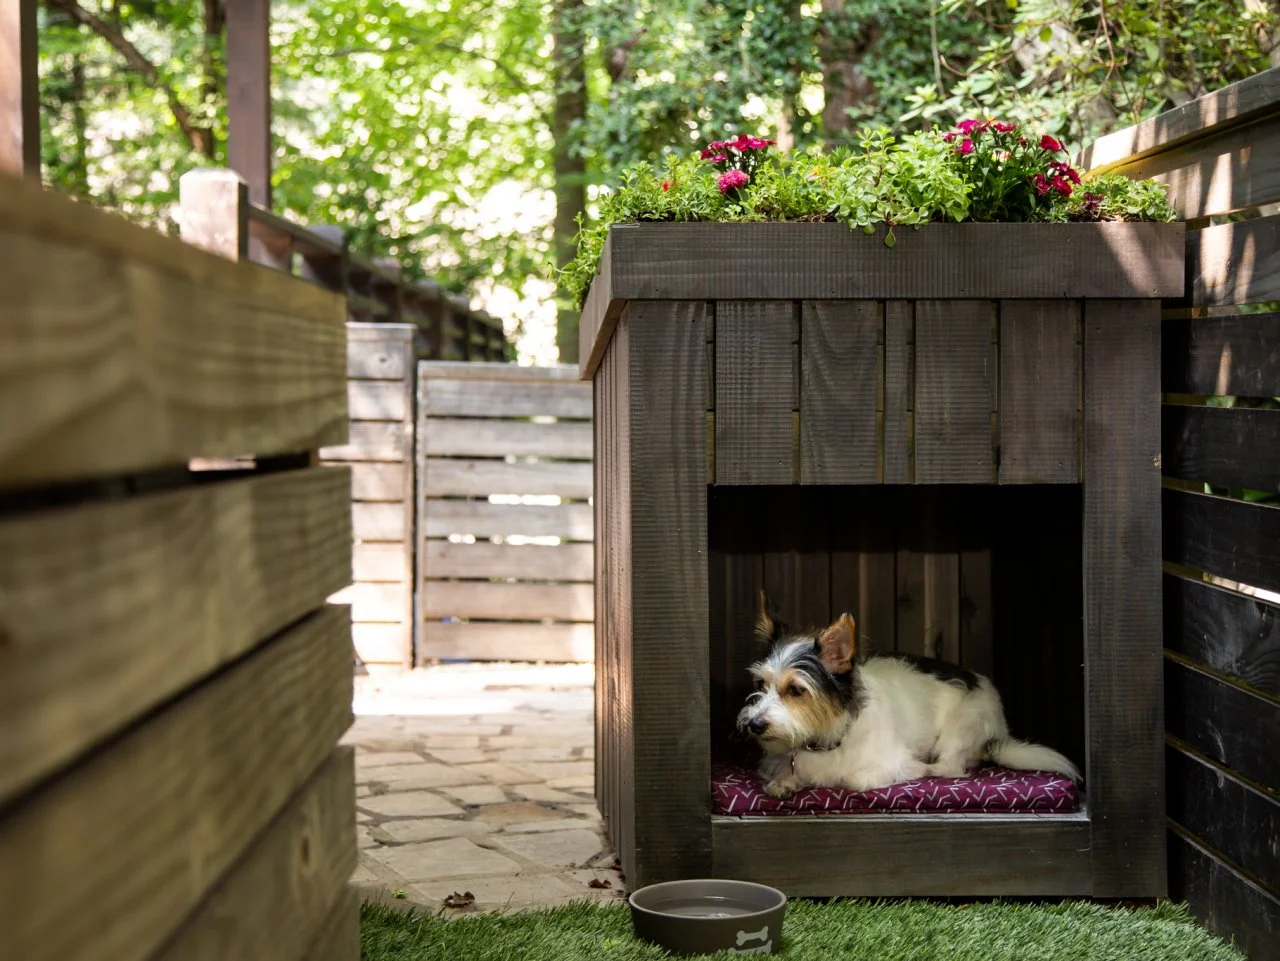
(843, 85)
(78, 175)
(569, 112)
(211, 81)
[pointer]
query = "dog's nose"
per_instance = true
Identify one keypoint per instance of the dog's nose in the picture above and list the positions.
(758, 725)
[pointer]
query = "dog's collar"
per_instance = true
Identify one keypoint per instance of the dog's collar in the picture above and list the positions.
(818, 747)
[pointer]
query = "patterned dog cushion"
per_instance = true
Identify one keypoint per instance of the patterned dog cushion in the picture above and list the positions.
(738, 790)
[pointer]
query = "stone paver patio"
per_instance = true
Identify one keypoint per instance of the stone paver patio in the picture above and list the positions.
(479, 778)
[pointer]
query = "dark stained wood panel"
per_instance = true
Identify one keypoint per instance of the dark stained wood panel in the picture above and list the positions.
(1235, 263)
(954, 391)
(1233, 539)
(1122, 596)
(755, 391)
(1237, 356)
(899, 391)
(1229, 632)
(1224, 722)
(1228, 447)
(1227, 902)
(841, 365)
(1039, 391)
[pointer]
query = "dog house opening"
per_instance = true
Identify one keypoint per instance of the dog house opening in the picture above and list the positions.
(985, 579)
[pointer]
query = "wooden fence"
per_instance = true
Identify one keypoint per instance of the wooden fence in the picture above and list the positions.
(172, 685)
(1220, 156)
(505, 523)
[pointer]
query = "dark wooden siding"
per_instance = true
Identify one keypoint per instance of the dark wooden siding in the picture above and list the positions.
(1221, 545)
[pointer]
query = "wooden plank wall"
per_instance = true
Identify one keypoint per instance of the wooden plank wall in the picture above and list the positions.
(504, 465)
(1221, 513)
(172, 682)
(379, 450)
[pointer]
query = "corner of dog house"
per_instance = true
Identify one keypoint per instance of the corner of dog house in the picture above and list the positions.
(969, 443)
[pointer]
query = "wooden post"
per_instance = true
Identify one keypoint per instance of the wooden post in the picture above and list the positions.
(19, 90)
(249, 96)
(215, 212)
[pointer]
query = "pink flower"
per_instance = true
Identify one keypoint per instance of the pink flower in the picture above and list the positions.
(1062, 185)
(1004, 127)
(1049, 144)
(966, 147)
(732, 180)
(948, 137)
(719, 158)
(758, 143)
(1041, 185)
(666, 185)
(715, 147)
(967, 127)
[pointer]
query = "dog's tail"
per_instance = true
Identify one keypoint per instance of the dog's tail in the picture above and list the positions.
(1024, 756)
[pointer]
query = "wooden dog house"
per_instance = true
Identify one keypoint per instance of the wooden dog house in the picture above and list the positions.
(957, 440)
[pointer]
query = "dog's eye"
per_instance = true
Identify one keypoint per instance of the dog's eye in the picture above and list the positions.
(795, 690)
(758, 683)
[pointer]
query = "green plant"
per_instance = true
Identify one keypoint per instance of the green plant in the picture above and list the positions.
(984, 170)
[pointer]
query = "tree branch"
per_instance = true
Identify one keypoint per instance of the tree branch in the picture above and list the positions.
(199, 137)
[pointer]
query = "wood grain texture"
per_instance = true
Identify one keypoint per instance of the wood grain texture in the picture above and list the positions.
(474, 372)
(466, 437)
(140, 833)
(512, 602)
(378, 481)
(1227, 902)
(601, 311)
(841, 365)
(338, 938)
(1237, 356)
(507, 641)
(668, 580)
(755, 391)
(1122, 612)
(1039, 391)
(954, 391)
(1230, 538)
(376, 400)
(111, 608)
(565, 562)
(378, 562)
(1228, 447)
(136, 351)
(450, 477)
(372, 440)
(1229, 632)
(899, 391)
(482, 519)
(1219, 174)
(966, 855)
(379, 351)
(1224, 812)
(482, 398)
(1233, 105)
(1223, 721)
(276, 897)
(827, 261)
(1236, 263)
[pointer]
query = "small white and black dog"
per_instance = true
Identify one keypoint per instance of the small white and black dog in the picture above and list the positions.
(826, 718)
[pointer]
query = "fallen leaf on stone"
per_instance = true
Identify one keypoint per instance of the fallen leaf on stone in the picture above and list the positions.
(598, 883)
(463, 900)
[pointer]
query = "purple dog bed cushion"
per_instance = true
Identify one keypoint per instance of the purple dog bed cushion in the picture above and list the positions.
(738, 790)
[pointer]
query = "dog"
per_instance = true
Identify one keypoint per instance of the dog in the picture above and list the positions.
(826, 718)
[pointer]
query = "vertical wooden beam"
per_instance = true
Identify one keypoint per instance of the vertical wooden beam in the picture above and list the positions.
(19, 90)
(1122, 609)
(215, 212)
(249, 96)
(755, 391)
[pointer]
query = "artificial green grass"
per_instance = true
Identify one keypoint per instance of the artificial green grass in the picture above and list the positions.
(858, 930)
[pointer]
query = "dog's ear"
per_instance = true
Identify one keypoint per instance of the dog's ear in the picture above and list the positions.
(769, 627)
(838, 644)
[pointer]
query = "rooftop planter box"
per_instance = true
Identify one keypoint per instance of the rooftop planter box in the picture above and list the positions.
(956, 439)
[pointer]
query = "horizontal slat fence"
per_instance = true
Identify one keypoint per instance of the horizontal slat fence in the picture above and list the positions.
(379, 449)
(172, 682)
(1220, 157)
(505, 526)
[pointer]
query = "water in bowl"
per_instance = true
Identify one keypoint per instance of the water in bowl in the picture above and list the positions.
(703, 907)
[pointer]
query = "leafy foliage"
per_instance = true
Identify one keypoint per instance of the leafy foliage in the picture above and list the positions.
(919, 178)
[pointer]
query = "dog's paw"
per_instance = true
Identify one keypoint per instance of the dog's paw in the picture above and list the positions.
(782, 787)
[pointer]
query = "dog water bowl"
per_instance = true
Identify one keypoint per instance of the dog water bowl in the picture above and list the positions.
(701, 916)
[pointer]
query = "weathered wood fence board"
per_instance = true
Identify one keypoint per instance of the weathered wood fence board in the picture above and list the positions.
(172, 683)
(379, 450)
(1219, 156)
(504, 528)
